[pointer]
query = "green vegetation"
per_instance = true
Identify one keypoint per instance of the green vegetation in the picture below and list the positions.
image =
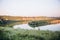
(38, 23)
(7, 33)
(9, 23)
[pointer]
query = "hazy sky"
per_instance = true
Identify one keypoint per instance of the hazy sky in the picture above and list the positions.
(30, 7)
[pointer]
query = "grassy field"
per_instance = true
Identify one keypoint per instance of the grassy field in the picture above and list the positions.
(8, 33)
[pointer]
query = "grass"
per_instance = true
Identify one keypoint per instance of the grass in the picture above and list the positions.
(8, 33)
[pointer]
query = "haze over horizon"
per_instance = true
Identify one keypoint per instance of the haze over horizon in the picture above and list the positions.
(50, 8)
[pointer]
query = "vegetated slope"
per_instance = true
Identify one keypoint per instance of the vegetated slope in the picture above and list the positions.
(7, 33)
(28, 19)
(25, 18)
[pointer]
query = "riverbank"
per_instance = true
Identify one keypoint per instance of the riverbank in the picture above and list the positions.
(8, 33)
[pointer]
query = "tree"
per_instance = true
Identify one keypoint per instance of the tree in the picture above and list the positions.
(38, 23)
(3, 22)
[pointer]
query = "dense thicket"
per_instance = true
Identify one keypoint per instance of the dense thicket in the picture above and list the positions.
(4, 22)
(38, 23)
(7, 33)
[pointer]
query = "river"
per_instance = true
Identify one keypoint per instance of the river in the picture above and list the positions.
(53, 27)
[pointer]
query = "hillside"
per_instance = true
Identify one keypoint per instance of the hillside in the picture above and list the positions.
(27, 19)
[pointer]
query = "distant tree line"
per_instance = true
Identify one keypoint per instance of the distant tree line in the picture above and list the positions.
(4, 22)
(38, 23)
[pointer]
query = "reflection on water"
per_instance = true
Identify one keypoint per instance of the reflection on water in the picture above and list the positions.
(53, 27)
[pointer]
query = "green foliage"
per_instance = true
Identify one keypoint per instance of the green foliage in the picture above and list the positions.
(38, 23)
(7, 33)
(9, 23)
(2, 22)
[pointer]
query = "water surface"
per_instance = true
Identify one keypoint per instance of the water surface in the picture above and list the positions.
(53, 27)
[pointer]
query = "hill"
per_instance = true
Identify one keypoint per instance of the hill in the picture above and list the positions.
(27, 19)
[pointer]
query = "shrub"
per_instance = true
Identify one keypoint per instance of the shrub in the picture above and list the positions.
(3, 22)
(7, 33)
(38, 23)
(9, 23)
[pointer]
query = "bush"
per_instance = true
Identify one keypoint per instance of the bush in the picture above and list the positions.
(7, 33)
(33, 24)
(9, 23)
(38, 23)
(2, 22)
